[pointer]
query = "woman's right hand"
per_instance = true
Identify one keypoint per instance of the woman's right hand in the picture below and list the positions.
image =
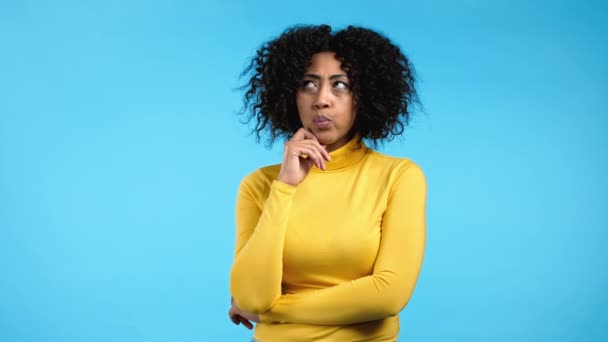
(299, 155)
(237, 316)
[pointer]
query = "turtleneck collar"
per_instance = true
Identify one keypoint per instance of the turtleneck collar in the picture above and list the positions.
(346, 156)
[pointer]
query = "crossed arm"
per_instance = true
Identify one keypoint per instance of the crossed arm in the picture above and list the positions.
(257, 271)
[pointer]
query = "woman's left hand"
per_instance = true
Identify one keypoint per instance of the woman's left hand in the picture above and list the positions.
(237, 316)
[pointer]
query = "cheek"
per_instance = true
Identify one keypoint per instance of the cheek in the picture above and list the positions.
(299, 106)
(350, 113)
(298, 101)
(302, 102)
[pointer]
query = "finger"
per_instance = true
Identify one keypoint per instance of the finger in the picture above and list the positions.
(322, 152)
(304, 134)
(306, 149)
(320, 147)
(234, 317)
(246, 322)
(291, 147)
(307, 164)
(319, 160)
(313, 154)
(301, 134)
(325, 152)
(310, 135)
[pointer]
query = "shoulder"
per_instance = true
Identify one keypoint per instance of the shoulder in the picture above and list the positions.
(395, 165)
(398, 171)
(260, 180)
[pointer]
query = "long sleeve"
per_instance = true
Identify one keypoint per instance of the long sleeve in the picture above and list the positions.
(255, 278)
(383, 293)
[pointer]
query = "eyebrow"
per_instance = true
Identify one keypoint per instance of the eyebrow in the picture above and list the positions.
(317, 77)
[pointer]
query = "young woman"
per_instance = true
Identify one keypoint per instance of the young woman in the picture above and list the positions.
(330, 242)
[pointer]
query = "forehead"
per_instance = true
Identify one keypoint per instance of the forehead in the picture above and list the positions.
(324, 63)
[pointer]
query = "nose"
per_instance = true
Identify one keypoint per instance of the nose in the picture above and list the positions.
(323, 98)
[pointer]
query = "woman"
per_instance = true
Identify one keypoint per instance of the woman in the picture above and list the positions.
(330, 242)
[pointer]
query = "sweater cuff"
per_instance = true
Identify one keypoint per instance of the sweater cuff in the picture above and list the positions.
(269, 317)
(283, 187)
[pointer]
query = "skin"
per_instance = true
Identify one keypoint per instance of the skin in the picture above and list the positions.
(237, 316)
(324, 93)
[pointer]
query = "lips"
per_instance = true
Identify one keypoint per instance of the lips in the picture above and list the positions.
(322, 122)
(321, 119)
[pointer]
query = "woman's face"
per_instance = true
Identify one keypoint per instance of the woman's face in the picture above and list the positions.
(325, 101)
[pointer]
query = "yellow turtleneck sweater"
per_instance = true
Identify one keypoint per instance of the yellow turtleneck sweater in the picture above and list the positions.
(335, 258)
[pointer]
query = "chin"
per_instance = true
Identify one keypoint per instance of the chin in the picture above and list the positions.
(325, 137)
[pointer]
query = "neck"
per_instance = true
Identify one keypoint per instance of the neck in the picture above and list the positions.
(345, 156)
(343, 141)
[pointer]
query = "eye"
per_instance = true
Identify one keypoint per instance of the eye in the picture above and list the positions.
(341, 85)
(308, 85)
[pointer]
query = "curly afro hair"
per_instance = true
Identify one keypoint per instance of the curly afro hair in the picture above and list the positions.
(382, 80)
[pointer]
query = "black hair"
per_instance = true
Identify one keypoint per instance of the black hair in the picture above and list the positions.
(381, 78)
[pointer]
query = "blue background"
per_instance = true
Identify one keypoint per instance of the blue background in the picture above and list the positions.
(121, 153)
